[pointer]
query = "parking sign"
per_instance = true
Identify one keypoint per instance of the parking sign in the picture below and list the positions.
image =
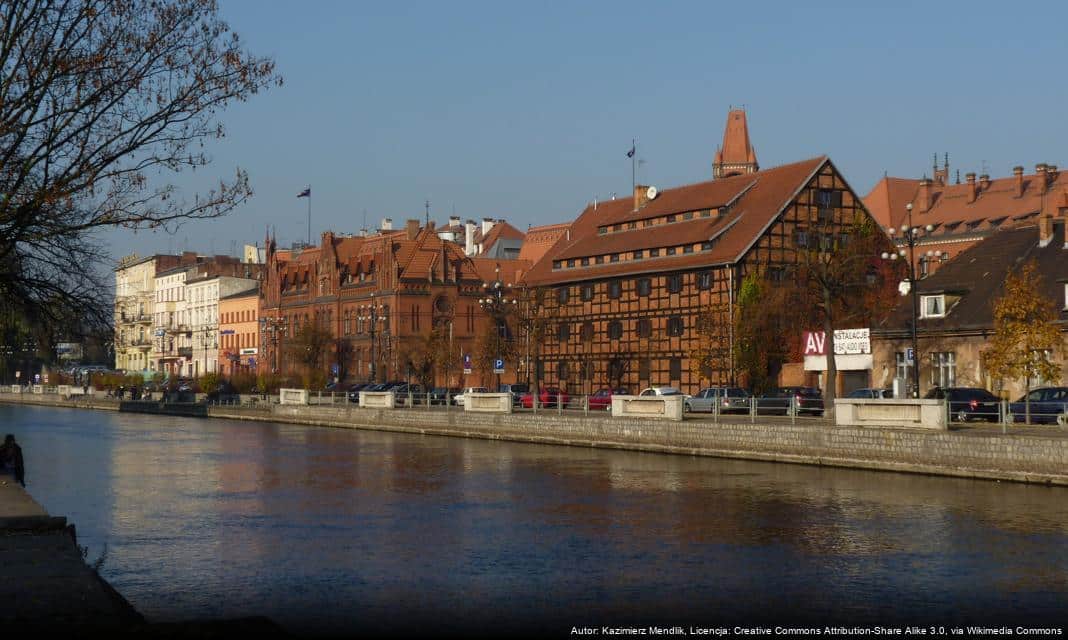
(498, 366)
(467, 363)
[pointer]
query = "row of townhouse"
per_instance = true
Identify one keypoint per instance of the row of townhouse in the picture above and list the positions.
(624, 288)
(167, 311)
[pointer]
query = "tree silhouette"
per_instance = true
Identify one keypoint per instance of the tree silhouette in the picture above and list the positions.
(100, 103)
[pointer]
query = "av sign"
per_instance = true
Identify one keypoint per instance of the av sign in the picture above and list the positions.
(847, 342)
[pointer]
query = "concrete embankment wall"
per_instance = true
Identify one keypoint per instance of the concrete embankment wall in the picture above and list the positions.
(989, 456)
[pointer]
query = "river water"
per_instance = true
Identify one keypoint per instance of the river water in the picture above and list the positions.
(337, 531)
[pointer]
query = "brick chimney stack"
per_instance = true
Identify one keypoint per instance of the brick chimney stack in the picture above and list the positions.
(984, 182)
(970, 179)
(1045, 230)
(1040, 177)
(641, 195)
(1017, 172)
(923, 196)
(412, 227)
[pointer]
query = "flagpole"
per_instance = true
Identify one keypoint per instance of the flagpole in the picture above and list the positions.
(633, 165)
(309, 215)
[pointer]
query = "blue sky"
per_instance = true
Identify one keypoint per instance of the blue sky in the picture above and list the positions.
(525, 111)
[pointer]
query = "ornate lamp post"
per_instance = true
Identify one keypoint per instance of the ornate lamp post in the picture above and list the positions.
(370, 314)
(910, 235)
(497, 304)
(270, 329)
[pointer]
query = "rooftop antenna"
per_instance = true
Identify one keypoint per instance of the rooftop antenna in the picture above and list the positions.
(958, 176)
(427, 205)
(983, 164)
(363, 229)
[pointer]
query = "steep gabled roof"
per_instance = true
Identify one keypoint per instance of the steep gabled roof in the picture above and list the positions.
(747, 204)
(500, 230)
(977, 275)
(993, 206)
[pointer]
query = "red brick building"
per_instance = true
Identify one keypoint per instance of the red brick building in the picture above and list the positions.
(378, 295)
(964, 214)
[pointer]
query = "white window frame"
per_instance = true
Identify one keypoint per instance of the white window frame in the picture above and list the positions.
(924, 311)
(944, 369)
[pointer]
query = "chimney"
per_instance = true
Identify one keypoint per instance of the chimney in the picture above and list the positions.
(984, 182)
(925, 195)
(1040, 177)
(454, 221)
(641, 195)
(1045, 230)
(412, 227)
(487, 224)
(387, 224)
(1017, 172)
(469, 238)
(970, 178)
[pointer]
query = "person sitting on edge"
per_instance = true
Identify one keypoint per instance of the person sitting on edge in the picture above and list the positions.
(11, 459)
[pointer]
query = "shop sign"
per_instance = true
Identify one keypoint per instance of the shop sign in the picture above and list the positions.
(847, 342)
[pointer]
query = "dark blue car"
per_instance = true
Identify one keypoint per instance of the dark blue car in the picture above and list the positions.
(1049, 405)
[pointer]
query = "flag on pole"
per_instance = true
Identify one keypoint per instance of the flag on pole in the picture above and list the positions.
(305, 194)
(630, 154)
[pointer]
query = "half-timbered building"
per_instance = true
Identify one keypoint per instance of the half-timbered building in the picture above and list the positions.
(630, 278)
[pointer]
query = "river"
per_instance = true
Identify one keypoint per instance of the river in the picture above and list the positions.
(337, 531)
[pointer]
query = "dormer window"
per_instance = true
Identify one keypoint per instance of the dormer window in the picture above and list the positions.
(934, 306)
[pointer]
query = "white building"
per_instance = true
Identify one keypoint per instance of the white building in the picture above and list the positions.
(202, 310)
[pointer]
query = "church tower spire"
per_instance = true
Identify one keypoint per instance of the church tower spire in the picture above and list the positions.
(736, 156)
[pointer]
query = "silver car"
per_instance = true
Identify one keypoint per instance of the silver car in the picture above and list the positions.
(728, 399)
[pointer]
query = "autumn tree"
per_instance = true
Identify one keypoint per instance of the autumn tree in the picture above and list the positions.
(839, 279)
(308, 347)
(533, 319)
(1026, 332)
(101, 104)
(418, 358)
(446, 361)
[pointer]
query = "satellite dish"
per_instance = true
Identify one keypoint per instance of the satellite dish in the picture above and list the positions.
(651, 193)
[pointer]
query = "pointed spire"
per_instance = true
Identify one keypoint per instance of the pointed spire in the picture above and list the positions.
(736, 155)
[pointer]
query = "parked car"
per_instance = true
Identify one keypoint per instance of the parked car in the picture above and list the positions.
(791, 401)
(354, 391)
(223, 392)
(602, 398)
(459, 399)
(517, 391)
(1049, 405)
(968, 403)
(441, 395)
(401, 393)
(871, 393)
(547, 397)
(668, 391)
(728, 400)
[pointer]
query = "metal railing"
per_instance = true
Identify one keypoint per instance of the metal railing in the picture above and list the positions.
(994, 412)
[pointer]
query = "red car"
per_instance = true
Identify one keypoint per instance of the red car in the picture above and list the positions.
(546, 398)
(602, 398)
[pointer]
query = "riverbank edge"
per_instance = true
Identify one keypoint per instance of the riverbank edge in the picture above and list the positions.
(488, 427)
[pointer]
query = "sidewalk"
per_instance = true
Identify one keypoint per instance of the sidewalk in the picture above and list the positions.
(44, 581)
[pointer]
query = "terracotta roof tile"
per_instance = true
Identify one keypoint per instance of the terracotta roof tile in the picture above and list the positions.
(540, 239)
(757, 199)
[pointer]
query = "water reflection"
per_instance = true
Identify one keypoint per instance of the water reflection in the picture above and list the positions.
(337, 530)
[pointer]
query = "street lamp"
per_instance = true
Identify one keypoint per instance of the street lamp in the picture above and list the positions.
(270, 328)
(497, 305)
(370, 314)
(910, 235)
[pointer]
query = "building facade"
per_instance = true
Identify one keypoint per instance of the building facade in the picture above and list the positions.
(630, 280)
(956, 305)
(380, 297)
(239, 333)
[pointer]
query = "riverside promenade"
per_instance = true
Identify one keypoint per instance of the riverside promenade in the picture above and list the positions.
(1037, 455)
